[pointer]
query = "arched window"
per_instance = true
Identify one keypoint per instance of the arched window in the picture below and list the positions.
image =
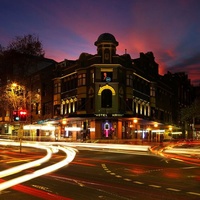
(106, 99)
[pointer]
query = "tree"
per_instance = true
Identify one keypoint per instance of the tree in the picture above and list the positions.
(191, 114)
(12, 97)
(26, 45)
(19, 58)
(17, 62)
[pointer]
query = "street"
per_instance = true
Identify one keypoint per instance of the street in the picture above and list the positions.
(104, 174)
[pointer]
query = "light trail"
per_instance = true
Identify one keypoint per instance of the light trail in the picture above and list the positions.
(179, 154)
(105, 146)
(70, 155)
(183, 151)
(22, 167)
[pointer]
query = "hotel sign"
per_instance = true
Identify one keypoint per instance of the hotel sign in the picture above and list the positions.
(108, 115)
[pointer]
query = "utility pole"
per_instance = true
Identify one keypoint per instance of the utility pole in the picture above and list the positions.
(193, 128)
(20, 136)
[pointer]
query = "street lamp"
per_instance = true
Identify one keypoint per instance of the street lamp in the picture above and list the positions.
(16, 96)
(135, 121)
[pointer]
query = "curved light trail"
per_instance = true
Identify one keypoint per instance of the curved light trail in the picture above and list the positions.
(70, 154)
(187, 155)
(22, 167)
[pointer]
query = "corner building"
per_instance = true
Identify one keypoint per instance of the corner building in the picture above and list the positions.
(111, 96)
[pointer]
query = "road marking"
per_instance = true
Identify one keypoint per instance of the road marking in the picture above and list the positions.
(16, 161)
(127, 179)
(80, 184)
(189, 167)
(173, 189)
(42, 188)
(191, 176)
(194, 193)
(138, 182)
(155, 186)
(103, 165)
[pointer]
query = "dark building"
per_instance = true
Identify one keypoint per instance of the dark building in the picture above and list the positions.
(34, 88)
(183, 96)
(39, 89)
(107, 95)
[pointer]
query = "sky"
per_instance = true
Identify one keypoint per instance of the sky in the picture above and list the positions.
(66, 28)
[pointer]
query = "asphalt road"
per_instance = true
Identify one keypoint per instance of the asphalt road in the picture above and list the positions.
(104, 175)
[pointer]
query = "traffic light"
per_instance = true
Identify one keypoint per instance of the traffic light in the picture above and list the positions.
(22, 115)
(16, 115)
(19, 115)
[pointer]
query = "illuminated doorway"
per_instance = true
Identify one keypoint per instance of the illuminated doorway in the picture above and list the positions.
(106, 99)
(107, 129)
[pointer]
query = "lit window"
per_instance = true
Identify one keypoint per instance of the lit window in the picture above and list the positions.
(57, 88)
(81, 79)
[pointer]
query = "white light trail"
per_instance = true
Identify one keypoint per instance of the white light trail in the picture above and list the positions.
(70, 154)
(183, 151)
(111, 146)
(22, 167)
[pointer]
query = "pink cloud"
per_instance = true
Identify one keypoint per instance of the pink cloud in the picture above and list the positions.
(158, 26)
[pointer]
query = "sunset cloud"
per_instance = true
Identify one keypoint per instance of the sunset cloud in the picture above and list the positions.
(170, 29)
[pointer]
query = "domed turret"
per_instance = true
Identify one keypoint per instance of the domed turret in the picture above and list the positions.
(106, 47)
(106, 37)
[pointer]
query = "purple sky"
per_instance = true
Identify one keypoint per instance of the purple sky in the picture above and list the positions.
(66, 28)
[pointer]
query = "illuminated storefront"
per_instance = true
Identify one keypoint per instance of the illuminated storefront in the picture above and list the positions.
(40, 132)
